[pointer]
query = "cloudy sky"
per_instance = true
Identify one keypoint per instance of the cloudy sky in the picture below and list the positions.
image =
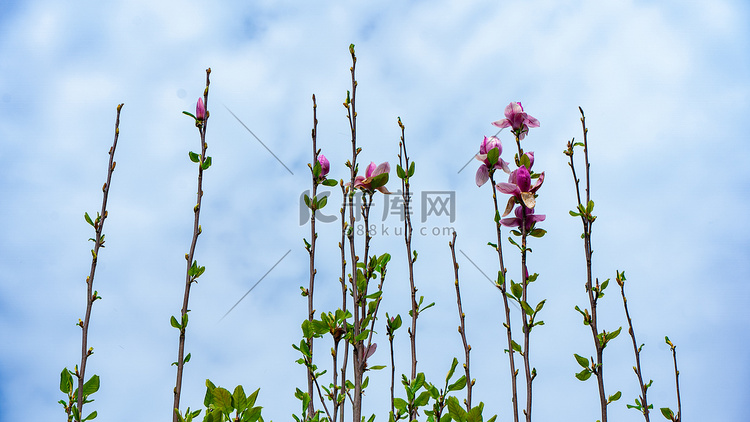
(665, 90)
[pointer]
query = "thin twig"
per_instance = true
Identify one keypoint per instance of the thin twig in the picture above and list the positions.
(636, 349)
(191, 255)
(92, 295)
(462, 327)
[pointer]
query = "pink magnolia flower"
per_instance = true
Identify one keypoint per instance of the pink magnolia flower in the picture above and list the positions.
(483, 172)
(519, 185)
(531, 218)
(517, 119)
(325, 166)
(200, 110)
(374, 178)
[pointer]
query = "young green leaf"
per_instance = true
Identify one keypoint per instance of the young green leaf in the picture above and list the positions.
(91, 386)
(194, 157)
(582, 360)
(66, 381)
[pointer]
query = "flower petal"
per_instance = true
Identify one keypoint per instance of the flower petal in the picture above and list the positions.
(483, 175)
(509, 188)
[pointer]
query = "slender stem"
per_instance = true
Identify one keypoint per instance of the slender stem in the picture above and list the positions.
(588, 221)
(636, 349)
(503, 290)
(90, 293)
(358, 352)
(524, 294)
(393, 374)
(678, 417)
(340, 405)
(311, 250)
(190, 256)
(404, 162)
(462, 327)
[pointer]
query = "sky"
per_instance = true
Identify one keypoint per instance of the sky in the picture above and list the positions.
(665, 88)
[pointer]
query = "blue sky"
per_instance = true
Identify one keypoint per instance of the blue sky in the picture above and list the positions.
(665, 90)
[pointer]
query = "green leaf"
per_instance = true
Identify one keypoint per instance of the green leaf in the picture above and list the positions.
(252, 415)
(174, 323)
(307, 200)
(613, 334)
(582, 360)
(590, 206)
(187, 358)
(240, 399)
(376, 367)
(411, 169)
(418, 382)
(379, 180)
(251, 399)
(206, 163)
(614, 397)
(91, 416)
(66, 381)
(516, 289)
(454, 364)
(526, 307)
(458, 385)
(667, 412)
(91, 386)
(574, 214)
(400, 404)
(538, 232)
(493, 155)
(222, 400)
(539, 306)
(88, 219)
(475, 414)
(457, 412)
(422, 400)
(208, 399)
(330, 182)
(322, 202)
(400, 172)
(194, 157)
(584, 375)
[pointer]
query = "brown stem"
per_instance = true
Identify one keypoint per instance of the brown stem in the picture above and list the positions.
(636, 349)
(678, 417)
(98, 243)
(340, 405)
(503, 290)
(311, 250)
(190, 256)
(462, 327)
(352, 116)
(404, 162)
(588, 221)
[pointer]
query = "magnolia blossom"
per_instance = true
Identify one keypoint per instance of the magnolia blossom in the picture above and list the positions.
(531, 218)
(483, 172)
(519, 185)
(325, 166)
(200, 110)
(517, 119)
(371, 181)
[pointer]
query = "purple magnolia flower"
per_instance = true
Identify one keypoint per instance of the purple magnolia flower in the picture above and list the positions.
(325, 166)
(531, 218)
(483, 172)
(519, 185)
(517, 119)
(200, 110)
(371, 181)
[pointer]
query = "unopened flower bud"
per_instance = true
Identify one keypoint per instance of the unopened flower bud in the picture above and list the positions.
(200, 110)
